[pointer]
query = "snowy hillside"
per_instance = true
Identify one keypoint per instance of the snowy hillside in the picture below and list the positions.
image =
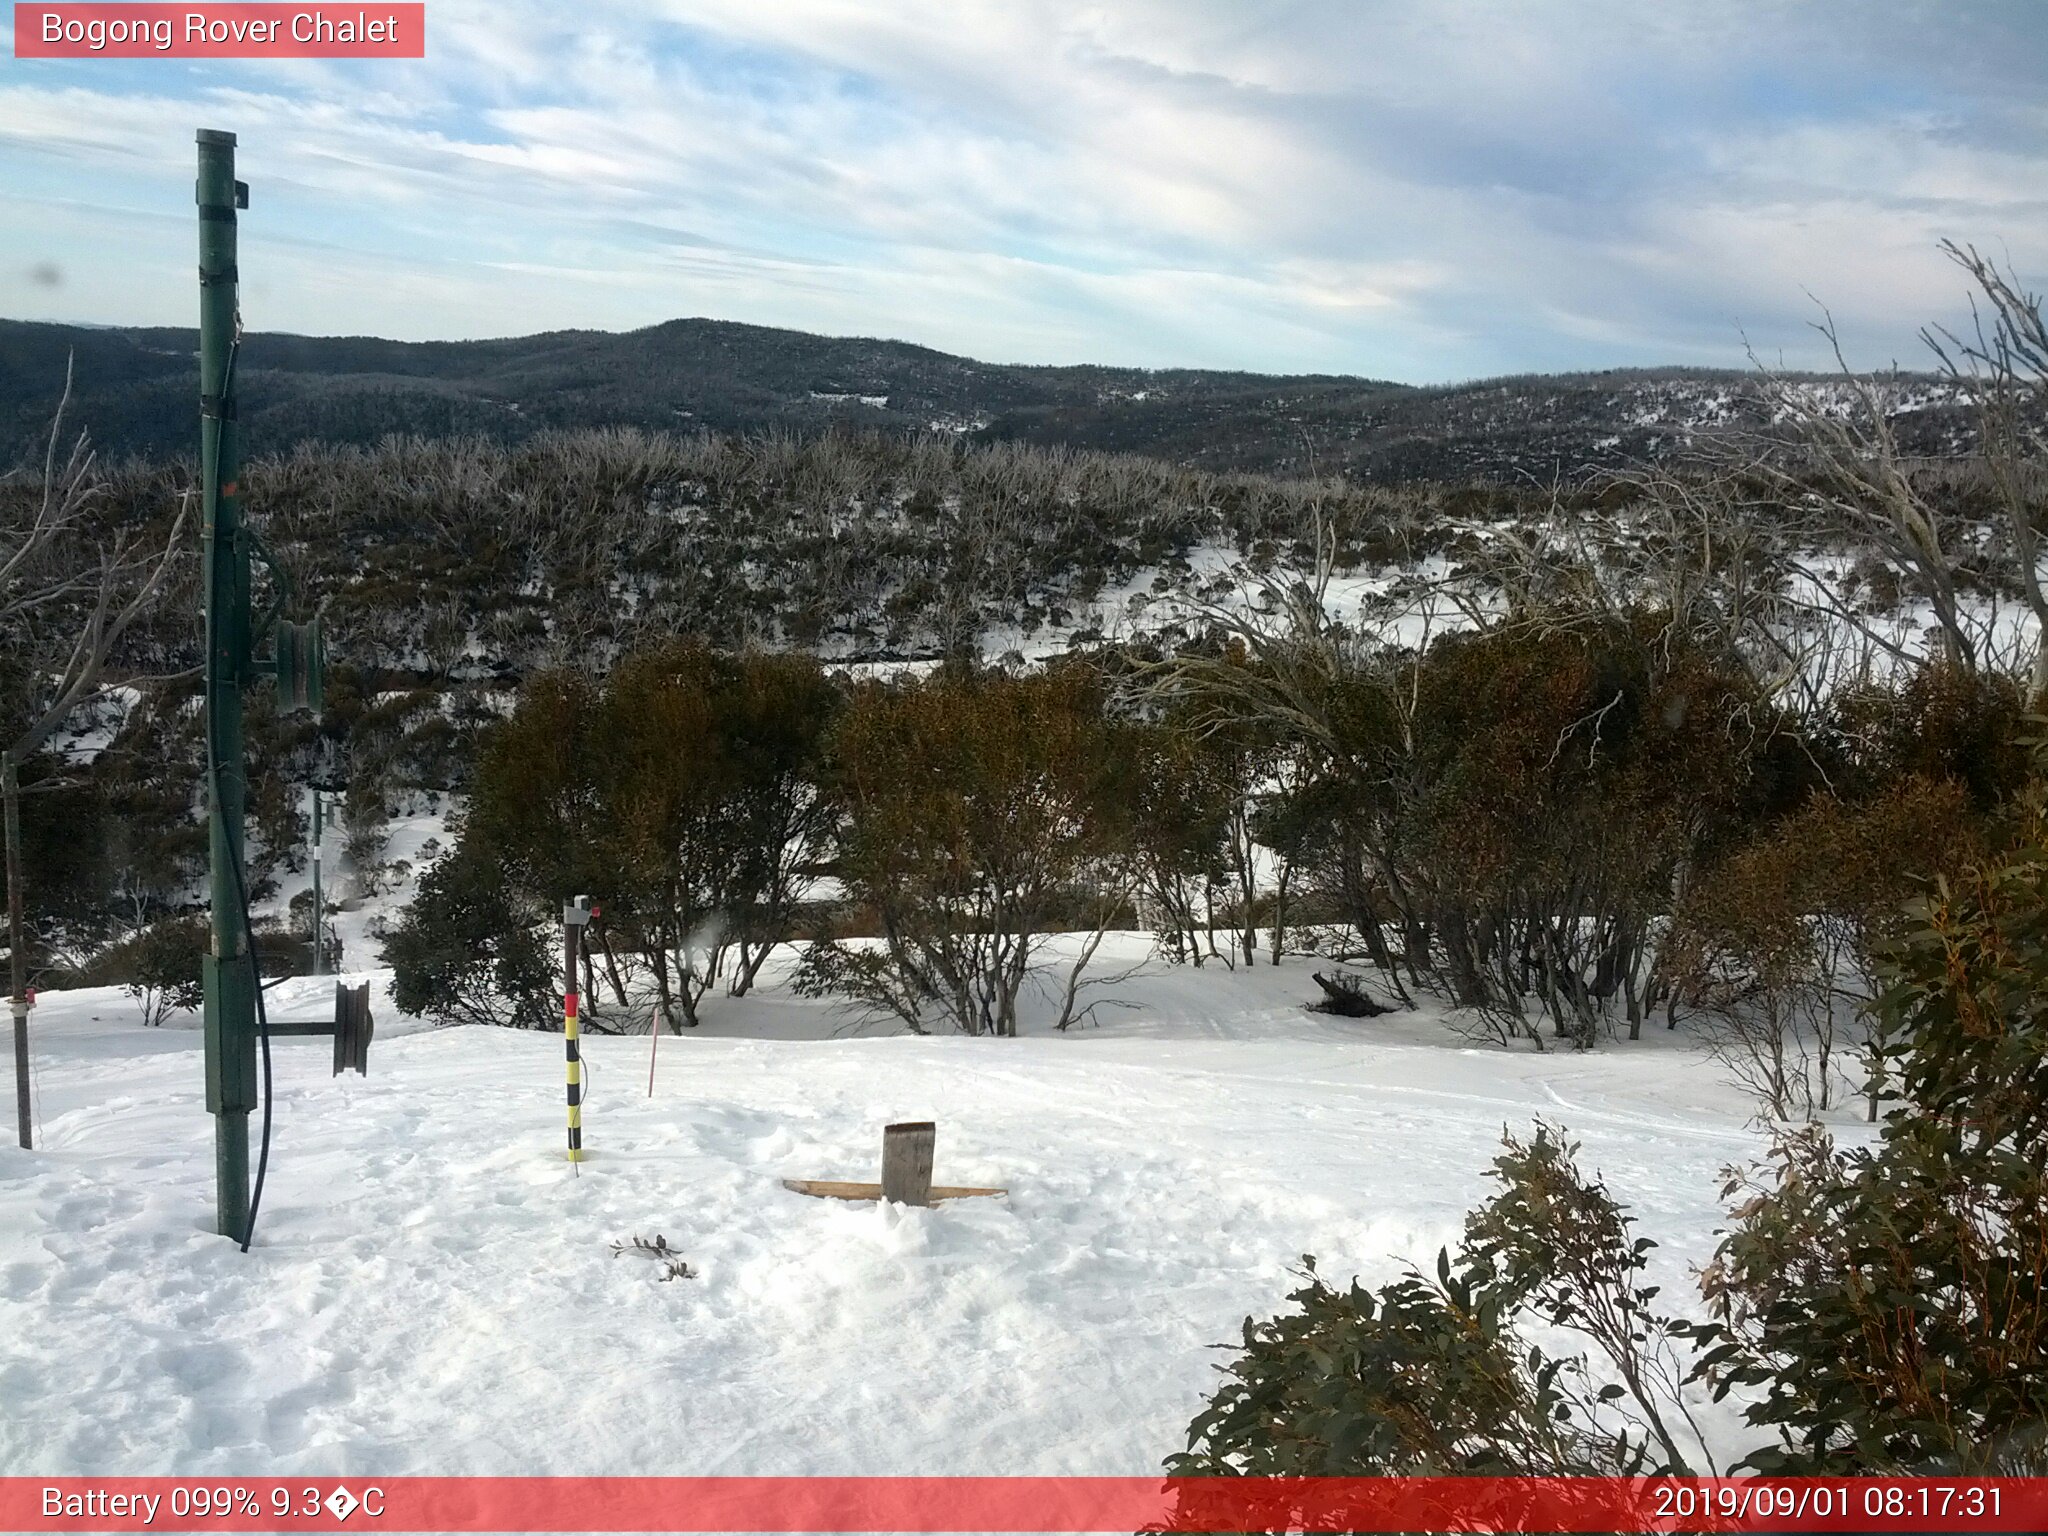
(432, 1288)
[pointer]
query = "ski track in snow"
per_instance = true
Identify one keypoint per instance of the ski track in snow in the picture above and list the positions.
(431, 1288)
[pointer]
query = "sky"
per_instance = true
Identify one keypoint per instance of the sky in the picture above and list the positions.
(1422, 190)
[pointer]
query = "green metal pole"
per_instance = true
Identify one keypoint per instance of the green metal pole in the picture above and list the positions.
(229, 967)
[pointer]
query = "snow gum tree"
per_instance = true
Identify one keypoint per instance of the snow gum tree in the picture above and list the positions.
(681, 792)
(1505, 813)
(468, 949)
(776, 714)
(1779, 944)
(72, 586)
(978, 820)
(1178, 825)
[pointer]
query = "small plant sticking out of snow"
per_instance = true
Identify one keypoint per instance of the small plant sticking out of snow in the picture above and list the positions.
(673, 1265)
(1345, 993)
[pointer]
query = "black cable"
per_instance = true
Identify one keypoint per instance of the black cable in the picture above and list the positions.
(262, 1013)
(262, 1034)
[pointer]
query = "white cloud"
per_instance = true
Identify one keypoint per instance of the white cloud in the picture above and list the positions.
(1426, 191)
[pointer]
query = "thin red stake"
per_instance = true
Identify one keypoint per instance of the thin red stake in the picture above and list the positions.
(654, 1044)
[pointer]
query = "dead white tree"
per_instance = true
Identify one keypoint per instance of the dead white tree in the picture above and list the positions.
(68, 595)
(1846, 471)
(2001, 368)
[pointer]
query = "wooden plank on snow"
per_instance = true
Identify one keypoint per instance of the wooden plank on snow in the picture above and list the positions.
(840, 1189)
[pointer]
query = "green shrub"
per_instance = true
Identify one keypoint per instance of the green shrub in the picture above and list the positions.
(1779, 943)
(466, 950)
(164, 964)
(975, 809)
(1431, 1375)
(1883, 1309)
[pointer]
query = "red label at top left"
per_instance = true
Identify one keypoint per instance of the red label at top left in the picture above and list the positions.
(215, 31)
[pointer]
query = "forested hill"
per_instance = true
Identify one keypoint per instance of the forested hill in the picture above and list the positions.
(135, 389)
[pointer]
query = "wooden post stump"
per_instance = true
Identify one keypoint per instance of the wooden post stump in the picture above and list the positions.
(906, 1172)
(907, 1161)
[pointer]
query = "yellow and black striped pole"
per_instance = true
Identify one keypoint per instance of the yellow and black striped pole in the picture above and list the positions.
(574, 915)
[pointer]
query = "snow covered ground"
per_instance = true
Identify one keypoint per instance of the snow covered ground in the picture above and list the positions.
(432, 1288)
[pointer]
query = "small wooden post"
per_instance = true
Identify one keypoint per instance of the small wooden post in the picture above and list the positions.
(907, 1161)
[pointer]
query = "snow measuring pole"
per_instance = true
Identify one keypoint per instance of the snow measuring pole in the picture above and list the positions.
(229, 967)
(575, 918)
(319, 946)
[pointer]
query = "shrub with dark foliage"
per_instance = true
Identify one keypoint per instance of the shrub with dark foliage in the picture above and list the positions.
(1430, 1376)
(466, 951)
(166, 966)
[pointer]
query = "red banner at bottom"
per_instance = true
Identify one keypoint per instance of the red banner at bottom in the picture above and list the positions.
(1062, 1504)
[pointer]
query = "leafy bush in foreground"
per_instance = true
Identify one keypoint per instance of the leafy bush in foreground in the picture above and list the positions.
(1884, 1309)
(1430, 1375)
